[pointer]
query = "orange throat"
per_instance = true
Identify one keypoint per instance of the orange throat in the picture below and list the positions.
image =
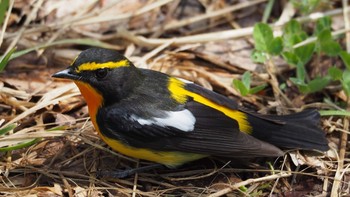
(93, 99)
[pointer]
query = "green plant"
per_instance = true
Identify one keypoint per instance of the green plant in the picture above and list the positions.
(244, 85)
(3, 8)
(5, 59)
(305, 6)
(4, 4)
(297, 48)
(23, 144)
(266, 45)
(300, 56)
(342, 76)
(7, 145)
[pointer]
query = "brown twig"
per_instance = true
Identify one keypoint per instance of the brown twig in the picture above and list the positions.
(30, 17)
(342, 151)
(271, 70)
(212, 14)
(249, 181)
(347, 23)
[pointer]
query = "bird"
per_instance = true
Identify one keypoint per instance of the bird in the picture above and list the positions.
(150, 115)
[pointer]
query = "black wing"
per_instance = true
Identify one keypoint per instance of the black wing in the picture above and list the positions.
(214, 134)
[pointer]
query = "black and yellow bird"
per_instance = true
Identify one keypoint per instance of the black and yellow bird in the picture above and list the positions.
(150, 115)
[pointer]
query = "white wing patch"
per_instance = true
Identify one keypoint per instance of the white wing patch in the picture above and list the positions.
(182, 120)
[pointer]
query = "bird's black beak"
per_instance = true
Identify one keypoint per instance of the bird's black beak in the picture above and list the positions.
(66, 74)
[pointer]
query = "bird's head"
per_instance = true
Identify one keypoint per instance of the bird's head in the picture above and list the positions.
(109, 73)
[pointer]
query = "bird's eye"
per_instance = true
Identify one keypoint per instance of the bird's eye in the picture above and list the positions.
(101, 73)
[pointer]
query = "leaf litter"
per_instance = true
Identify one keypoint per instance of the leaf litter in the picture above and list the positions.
(208, 42)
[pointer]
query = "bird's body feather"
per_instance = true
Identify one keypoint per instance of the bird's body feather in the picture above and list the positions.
(150, 115)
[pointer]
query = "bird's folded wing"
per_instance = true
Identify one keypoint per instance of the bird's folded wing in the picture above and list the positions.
(213, 133)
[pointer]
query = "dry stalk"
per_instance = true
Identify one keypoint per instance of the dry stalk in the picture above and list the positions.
(216, 36)
(30, 17)
(313, 39)
(347, 23)
(136, 178)
(250, 181)
(271, 70)
(44, 103)
(339, 175)
(67, 185)
(216, 13)
(152, 53)
(143, 10)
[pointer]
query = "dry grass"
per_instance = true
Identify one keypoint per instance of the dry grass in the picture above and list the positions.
(206, 42)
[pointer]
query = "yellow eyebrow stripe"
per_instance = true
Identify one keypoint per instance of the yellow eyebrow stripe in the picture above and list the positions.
(90, 66)
(180, 94)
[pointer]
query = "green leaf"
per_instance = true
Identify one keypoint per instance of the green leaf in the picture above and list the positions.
(240, 87)
(323, 23)
(294, 39)
(283, 86)
(257, 89)
(5, 59)
(276, 46)
(246, 79)
(243, 189)
(318, 84)
(304, 53)
(334, 113)
(290, 58)
(267, 11)
(20, 145)
(331, 48)
(297, 81)
(292, 27)
(4, 4)
(325, 36)
(346, 76)
(304, 89)
(63, 127)
(301, 84)
(346, 88)
(23, 144)
(346, 58)
(305, 6)
(263, 36)
(314, 85)
(258, 56)
(7, 129)
(327, 44)
(293, 34)
(346, 82)
(335, 73)
(301, 72)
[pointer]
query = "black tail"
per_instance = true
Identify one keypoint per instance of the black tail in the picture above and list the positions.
(296, 131)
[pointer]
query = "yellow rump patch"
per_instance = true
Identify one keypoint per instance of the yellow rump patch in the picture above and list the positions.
(90, 66)
(180, 94)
